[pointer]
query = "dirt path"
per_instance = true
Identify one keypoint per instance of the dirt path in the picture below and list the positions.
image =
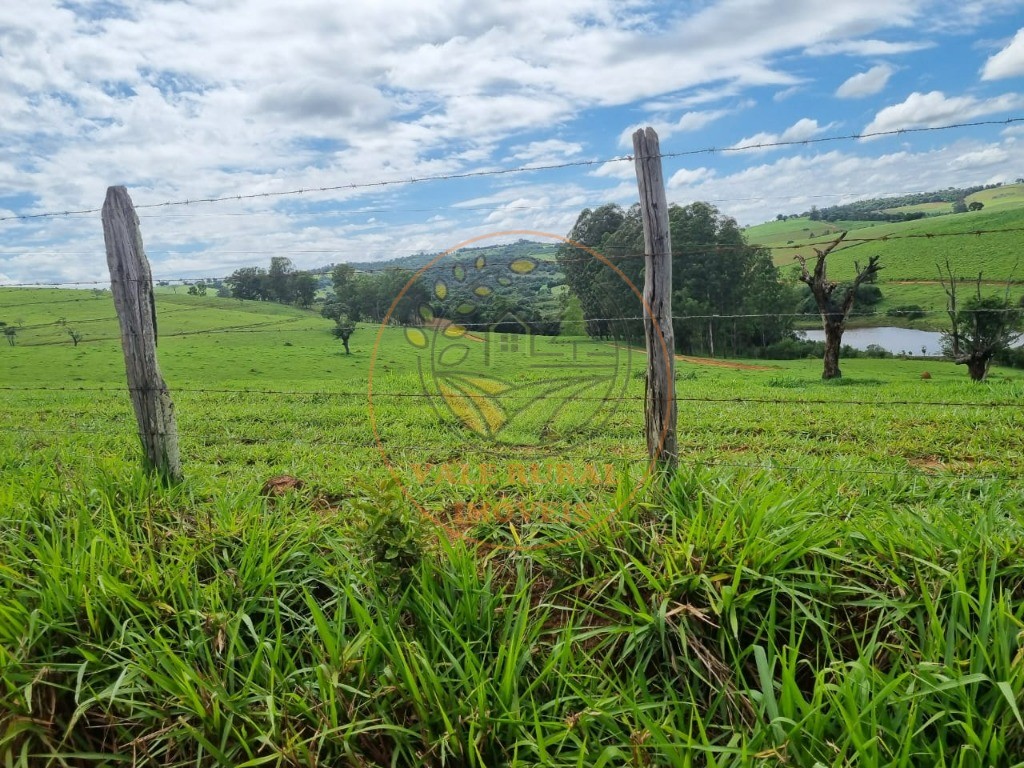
(710, 361)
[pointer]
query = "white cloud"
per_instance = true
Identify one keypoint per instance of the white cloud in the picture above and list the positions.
(934, 109)
(793, 184)
(801, 130)
(198, 98)
(546, 151)
(688, 122)
(1009, 62)
(866, 83)
(786, 93)
(616, 169)
(686, 177)
(869, 48)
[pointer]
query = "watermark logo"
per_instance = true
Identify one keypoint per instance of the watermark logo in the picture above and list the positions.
(517, 381)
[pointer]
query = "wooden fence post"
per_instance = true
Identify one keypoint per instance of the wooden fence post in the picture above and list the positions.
(660, 404)
(132, 285)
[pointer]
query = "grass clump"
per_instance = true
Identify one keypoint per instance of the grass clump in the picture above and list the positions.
(737, 619)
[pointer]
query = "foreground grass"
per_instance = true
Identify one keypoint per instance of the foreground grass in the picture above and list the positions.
(735, 620)
(834, 579)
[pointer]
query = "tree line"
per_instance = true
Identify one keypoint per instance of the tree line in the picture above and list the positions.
(728, 297)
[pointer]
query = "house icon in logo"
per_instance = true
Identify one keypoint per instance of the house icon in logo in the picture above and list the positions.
(508, 335)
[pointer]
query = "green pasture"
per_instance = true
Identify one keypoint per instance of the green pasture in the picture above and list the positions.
(1004, 197)
(475, 569)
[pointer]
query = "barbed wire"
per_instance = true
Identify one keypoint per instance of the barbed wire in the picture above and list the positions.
(456, 207)
(530, 168)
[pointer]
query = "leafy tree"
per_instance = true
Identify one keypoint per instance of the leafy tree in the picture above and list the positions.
(279, 280)
(75, 335)
(714, 273)
(304, 285)
(975, 206)
(343, 329)
(960, 206)
(834, 309)
(197, 289)
(10, 332)
(249, 283)
(980, 328)
(341, 277)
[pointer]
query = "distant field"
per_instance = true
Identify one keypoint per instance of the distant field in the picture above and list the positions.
(927, 208)
(910, 272)
(1006, 196)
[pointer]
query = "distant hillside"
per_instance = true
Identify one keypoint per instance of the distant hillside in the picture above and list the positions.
(494, 253)
(910, 258)
(900, 207)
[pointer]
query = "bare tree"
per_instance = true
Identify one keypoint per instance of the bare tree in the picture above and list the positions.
(834, 311)
(10, 332)
(980, 327)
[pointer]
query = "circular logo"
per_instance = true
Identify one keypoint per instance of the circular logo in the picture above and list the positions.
(511, 381)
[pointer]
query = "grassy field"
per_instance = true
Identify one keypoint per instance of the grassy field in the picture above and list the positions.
(910, 272)
(484, 576)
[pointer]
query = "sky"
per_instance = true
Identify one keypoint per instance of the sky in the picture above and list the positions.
(189, 99)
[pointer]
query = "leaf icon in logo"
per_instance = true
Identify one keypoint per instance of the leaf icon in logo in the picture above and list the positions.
(416, 337)
(473, 400)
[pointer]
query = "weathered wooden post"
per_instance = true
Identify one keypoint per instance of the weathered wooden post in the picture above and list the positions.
(660, 405)
(132, 285)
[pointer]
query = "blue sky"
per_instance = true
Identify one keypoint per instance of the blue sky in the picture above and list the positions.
(184, 100)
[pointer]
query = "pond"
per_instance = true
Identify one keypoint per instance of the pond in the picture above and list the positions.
(895, 340)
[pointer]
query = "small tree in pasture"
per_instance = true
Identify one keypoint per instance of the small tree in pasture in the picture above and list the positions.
(343, 329)
(980, 328)
(834, 310)
(74, 334)
(10, 332)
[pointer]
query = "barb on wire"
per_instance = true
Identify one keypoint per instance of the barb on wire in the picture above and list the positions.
(521, 169)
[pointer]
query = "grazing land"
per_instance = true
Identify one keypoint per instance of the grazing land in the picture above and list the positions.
(910, 258)
(834, 577)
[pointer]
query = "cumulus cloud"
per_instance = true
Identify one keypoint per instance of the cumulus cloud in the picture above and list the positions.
(197, 98)
(793, 184)
(688, 122)
(866, 83)
(801, 130)
(546, 151)
(934, 109)
(1009, 62)
(686, 177)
